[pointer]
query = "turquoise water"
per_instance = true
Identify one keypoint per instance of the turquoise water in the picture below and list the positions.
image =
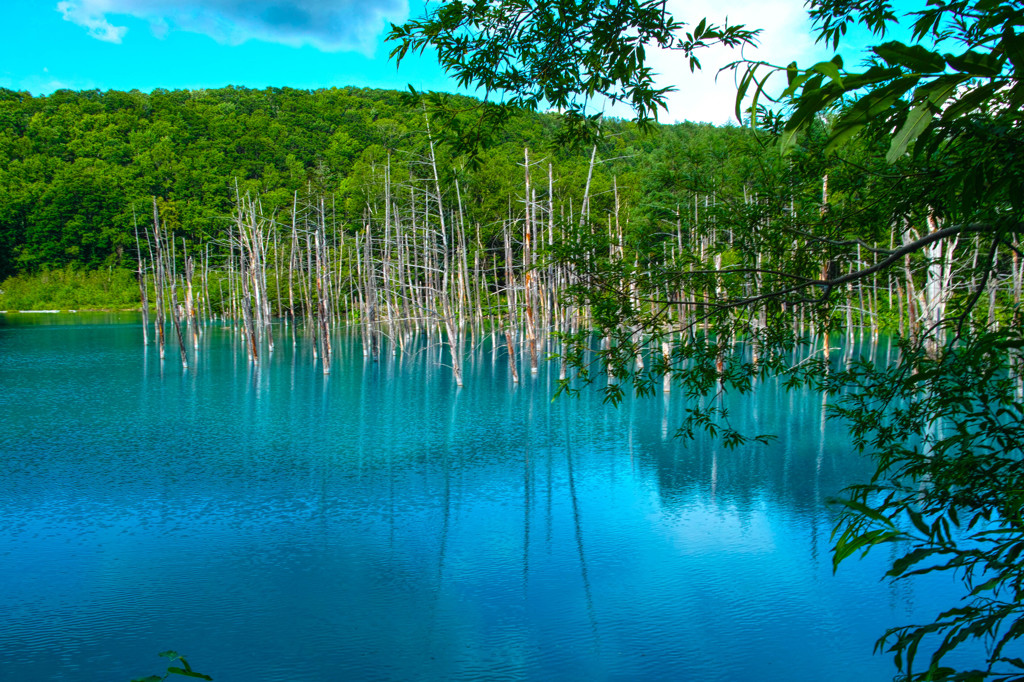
(381, 524)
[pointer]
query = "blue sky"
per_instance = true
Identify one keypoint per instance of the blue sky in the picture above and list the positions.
(173, 44)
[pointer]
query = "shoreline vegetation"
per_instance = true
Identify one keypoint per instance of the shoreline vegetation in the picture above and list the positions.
(346, 208)
(71, 290)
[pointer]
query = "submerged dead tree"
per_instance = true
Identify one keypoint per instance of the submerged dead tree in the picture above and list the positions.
(158, 278)
(453, 326)
(143, 287)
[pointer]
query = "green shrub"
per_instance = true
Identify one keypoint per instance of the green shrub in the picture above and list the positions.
(70, 289)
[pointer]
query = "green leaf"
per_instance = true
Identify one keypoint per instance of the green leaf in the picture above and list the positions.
(918, 520)
(988, 585)
(741, 89)
(1014, 552)
(864, 510)
(796, 81)
(900, 566)
(188, 673)
(698, 32)
(976, 64)
(919, 118)
(912, 57)
(875, 76)
(971, 100)
(848, 545)
(830, 69)
(867, 108)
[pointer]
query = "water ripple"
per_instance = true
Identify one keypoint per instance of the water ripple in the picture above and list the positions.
(382, 525)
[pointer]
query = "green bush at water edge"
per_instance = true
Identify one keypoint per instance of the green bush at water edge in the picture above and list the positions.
(70, 289)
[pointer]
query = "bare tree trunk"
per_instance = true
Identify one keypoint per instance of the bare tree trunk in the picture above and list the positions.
(176, 316)
(143, 289)
(451, 324)
(158, 275)
(511, 356)
(585, 206)
(528, 284)
(190, 309)
(292, 258)
(246, 305)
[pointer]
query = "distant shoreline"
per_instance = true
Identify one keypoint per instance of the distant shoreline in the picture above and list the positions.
(71, 310)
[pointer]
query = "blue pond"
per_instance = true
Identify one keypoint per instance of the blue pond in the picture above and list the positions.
(273, 524)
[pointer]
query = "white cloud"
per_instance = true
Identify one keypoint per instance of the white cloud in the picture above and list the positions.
(330, 25)
(91, 16)
(785, 36)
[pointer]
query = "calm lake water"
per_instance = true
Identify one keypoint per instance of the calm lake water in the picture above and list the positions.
(380, 524)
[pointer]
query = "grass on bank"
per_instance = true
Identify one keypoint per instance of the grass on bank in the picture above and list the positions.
(71, 289)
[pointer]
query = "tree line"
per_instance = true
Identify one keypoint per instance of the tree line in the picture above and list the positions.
(77, 168)
(81, 170)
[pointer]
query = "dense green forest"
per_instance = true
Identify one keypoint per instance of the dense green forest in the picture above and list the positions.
(77, 168)
(83, 171)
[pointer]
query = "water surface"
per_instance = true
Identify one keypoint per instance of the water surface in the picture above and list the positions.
(380, 524)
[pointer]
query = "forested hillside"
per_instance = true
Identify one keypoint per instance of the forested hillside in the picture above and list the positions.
(80, 170)
(77, 168)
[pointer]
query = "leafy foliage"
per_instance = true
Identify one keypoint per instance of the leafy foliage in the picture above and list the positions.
(914, 89)
(184, 670)
(560, 54)
(70, 289)
(951, 498)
